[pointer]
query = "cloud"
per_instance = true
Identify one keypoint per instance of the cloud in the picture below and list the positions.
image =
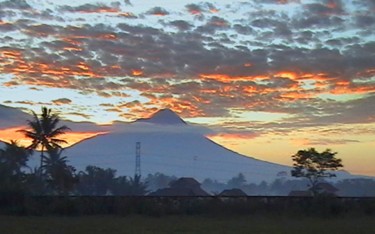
(62, 101)
(158, 11)
(90, 8)
(6, 27)
(182, 25)
(365, 4)
(140, 127)
(257, 59)
(277, 1)
(243, 29)
(15, 4)
(194, 9)
(39, 30)
(328, 7)
(232, 135)
(324, 141)
(213, 24)
(200, 8)
(365, 21)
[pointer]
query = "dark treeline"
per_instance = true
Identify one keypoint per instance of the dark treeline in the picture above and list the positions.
(359, 187)
(57, 188)
(211, 205)
(57, 177)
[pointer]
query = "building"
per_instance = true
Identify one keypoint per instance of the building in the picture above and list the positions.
(235, 192)
(184, 186)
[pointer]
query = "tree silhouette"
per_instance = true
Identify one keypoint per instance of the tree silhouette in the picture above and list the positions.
(314, 166)
(13, 159)
(158, 180)
(44, 131)
(60, 177)
(96, 181)
(237, 182)
(137, 187)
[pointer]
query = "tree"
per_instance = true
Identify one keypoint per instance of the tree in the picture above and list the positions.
(129, 187)
(14, 156)
(137, 187)
(35, 184)
(60, 177)
(13, 159)
(158, 180)
(96, 181)
(44, 131)
(120, 186)
(237, 182)
(315, 166)
(213, 186)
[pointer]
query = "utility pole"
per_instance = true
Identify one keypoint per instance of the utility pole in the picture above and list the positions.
(137, 159)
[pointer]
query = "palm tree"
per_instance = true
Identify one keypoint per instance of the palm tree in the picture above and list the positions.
(14, 156)
(13, 160)
(44, 131)
(60, 176)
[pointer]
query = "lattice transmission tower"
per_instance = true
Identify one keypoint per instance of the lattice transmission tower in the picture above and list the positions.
(137, 159)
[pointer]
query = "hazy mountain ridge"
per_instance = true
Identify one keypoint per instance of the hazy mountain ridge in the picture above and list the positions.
(12, 117)
(168, 145)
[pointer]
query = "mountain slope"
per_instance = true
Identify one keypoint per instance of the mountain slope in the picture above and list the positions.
(169, 146)
(170, 153)
(164, 116)
(12, 117)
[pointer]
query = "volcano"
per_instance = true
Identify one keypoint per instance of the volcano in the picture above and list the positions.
(171, 146)
(164, 116)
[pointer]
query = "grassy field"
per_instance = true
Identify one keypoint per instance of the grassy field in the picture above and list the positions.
(185, 224)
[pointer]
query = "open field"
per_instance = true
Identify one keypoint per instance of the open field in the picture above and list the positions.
(186, 224)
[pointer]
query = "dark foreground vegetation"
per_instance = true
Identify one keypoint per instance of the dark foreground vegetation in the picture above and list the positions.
(13, 204)
(54, 198)
(111, 214)
(187, 224)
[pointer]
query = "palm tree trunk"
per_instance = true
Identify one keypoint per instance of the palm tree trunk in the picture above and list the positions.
(41, 159)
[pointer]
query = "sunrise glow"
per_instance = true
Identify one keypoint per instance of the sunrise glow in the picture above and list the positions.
(13, 134)
(267, 78)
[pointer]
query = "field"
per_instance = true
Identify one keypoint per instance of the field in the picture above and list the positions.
(186, 224)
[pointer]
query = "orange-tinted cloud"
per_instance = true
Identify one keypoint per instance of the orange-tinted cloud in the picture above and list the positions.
(72, 138)
(233, 136)
(90, 8)
(136, 72)
(129, 15)
(225, 78)
(14, 62)
(214, 10)
(62, 101)
(100, 10)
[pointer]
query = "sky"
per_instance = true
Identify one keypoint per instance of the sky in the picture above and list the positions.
(268, 77)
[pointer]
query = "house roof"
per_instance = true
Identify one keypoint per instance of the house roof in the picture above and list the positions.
(185, 186)
(178, 192)
(185, 182)
(233, 193)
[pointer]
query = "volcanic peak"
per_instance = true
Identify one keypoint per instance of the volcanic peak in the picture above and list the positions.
(164, 116)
